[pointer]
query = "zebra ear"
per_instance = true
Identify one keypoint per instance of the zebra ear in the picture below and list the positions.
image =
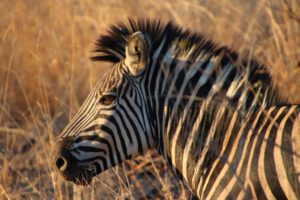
(137, 53)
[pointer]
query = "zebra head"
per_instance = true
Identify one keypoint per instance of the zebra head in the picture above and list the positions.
(113, 123)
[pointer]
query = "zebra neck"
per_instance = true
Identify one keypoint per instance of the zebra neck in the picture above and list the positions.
(192, 136)
(170, 80)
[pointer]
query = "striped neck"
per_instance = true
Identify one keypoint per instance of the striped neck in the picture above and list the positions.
(179, 92)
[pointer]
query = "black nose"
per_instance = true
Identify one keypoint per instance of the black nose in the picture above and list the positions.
(61, 155)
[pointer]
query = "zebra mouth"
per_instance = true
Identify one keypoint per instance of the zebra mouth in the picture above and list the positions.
(82, 179)
(81, 176)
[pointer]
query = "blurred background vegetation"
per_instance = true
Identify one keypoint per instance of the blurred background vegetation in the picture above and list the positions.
(45, 74)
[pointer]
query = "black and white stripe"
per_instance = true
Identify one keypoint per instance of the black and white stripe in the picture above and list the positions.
(216, 118)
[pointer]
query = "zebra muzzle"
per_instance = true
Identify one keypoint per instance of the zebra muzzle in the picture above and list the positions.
(68, 166)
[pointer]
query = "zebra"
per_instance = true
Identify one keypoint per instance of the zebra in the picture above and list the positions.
(216, 118)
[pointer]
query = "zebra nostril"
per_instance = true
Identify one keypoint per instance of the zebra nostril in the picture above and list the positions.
(61, 163)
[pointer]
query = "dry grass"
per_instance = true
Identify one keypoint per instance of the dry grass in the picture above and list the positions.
(45, 73)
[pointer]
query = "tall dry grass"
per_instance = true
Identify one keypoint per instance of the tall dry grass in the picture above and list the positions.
(45, 74)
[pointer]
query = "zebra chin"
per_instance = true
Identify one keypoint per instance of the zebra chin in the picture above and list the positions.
(69, 167)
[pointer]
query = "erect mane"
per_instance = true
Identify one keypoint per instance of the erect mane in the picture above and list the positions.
(111, 46)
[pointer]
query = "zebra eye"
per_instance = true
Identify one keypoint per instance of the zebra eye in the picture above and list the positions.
(107, 99)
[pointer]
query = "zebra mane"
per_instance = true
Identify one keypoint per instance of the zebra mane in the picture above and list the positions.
(111, 46)
(189, 45)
